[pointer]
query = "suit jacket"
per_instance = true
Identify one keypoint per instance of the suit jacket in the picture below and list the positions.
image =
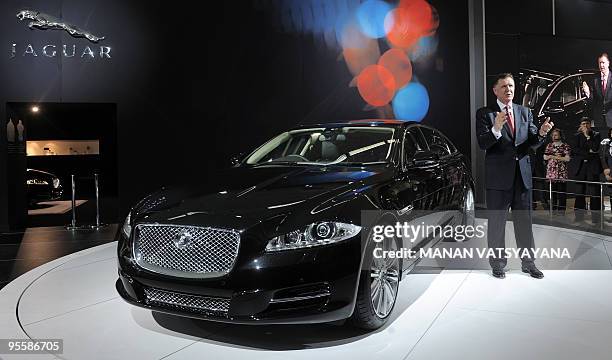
(607, 156)
(583, 149)
(601, 106)
(502, 153)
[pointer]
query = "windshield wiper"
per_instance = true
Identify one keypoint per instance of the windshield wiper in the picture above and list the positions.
(345, 156)
(356, 163)
(287, 163)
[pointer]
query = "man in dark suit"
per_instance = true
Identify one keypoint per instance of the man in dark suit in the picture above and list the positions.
(506, 131)
(585, 165)
(599, 94)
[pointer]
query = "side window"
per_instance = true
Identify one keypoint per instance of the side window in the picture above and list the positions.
(437, 143)
(449, 144)
(565, 92)
(410, 146)
(535, 87)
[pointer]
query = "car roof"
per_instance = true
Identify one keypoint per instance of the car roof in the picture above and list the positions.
(40, 171)
(362, 122)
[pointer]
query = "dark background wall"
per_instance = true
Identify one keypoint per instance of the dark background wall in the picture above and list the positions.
(519, 33)
(270, 80)
(193, 88)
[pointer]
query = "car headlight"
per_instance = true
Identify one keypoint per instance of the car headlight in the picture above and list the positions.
(127, 226)
(36, 182)
(315, 234)
(56, 183)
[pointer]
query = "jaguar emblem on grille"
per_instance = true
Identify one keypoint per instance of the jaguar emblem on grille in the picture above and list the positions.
(182, 240)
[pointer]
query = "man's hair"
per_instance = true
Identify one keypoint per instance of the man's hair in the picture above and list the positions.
(501, 77)
(585, 119)
(604, 54)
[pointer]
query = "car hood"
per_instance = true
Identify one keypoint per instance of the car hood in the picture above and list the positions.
(256, 193)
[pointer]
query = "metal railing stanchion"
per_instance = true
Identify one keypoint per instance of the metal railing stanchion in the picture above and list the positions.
(72, 225)
(601, 207)
(550, 198)
(97, 185)
(97, 201)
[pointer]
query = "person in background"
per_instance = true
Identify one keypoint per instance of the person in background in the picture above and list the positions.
(599, 95)
(607, 159)
(557, 154)
(585, 165)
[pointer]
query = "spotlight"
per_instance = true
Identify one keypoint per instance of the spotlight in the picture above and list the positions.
(35, 109)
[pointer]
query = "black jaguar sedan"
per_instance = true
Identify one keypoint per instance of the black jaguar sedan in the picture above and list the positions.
(280, 237)
(42, 186)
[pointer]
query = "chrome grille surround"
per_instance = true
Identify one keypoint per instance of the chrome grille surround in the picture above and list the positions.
(211, 306)
(208, 252)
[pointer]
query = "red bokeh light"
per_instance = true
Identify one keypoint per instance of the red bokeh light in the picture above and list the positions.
(358, 59)
(398, 63)
(376, 85)
(409, 21)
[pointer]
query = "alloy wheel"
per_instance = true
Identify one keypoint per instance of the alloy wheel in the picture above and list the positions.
(384, 276)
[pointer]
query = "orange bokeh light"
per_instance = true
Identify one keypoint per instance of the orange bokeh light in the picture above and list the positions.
(398, 63)
(409, 21)
(358, 59)
(376, 85)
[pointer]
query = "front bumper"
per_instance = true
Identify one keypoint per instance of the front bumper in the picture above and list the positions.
(311, 285)
(44, 194)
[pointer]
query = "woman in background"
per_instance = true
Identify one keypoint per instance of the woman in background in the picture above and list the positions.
(557, 154)
(607, 158)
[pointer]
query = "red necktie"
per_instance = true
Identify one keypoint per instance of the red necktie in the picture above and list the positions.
(510, 121)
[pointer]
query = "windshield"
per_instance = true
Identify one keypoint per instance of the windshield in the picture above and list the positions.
(320, 146)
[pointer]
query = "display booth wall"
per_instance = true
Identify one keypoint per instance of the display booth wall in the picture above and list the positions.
(195, 85)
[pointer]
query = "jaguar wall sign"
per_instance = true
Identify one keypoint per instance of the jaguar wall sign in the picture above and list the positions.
(42, 21)
(45, 21)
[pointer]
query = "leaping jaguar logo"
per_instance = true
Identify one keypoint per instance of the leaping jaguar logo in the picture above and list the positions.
(182, 240)
(45, 21)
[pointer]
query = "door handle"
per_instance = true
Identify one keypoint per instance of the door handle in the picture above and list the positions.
(405, 210)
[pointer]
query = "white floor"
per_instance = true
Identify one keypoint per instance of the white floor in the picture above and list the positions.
(452, 314)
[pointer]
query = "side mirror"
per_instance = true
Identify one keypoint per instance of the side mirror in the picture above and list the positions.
(236, 159)
(425, 158)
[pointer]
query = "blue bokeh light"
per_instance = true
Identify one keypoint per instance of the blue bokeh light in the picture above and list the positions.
(426, 46)
(411, 102)
(325, 19)
(371, 17)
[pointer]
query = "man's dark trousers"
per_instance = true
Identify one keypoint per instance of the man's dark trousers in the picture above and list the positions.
(518, 198)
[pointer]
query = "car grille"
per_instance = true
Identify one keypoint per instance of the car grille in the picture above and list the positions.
(211, 306)
(186, 251)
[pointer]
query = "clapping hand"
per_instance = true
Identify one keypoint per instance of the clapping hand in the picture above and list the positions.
(585, 89)
(500, 120)
(546, 126)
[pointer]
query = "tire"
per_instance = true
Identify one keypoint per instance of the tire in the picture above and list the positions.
(378, 286)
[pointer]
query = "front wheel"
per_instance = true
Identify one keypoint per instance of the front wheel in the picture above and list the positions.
(378, 286)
